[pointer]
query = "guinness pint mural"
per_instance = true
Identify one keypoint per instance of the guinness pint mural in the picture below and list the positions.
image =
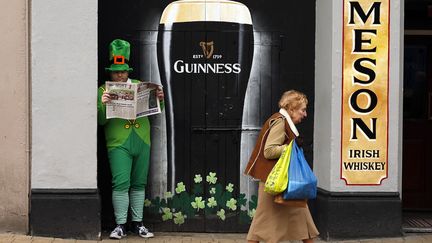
(221, 70)
(205, 51)
(365, 92)
(204, 59)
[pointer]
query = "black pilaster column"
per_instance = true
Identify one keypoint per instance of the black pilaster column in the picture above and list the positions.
(65, 213)
(347, 215)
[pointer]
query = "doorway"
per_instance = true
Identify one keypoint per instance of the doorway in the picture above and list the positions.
(417, 126)
(417, 110)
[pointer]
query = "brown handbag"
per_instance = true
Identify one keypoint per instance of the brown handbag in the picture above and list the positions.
(290, 203)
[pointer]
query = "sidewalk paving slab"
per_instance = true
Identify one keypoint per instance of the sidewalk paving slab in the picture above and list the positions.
(37, 239)
(6, 237)
(64, 241)
(392, 240)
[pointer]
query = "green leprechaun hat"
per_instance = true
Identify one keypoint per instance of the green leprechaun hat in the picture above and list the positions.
(119, 52)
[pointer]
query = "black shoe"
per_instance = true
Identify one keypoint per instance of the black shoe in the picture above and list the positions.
(138, 228)
(118, 232)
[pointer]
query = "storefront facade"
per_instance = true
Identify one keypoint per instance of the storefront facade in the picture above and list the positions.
(358, 197)
(347, 56)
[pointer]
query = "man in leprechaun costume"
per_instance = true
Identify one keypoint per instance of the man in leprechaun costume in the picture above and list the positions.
(128, 144)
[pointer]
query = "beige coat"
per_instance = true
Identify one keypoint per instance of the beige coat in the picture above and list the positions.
(274, 222)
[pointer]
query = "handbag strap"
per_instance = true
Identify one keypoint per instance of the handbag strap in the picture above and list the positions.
(261, 144)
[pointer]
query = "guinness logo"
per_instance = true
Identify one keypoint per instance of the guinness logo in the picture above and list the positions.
(207, 48)
(201, 66)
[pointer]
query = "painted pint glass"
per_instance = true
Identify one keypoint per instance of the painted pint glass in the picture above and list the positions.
(204, 51)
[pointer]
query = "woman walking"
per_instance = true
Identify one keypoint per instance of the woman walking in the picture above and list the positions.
(276, 220)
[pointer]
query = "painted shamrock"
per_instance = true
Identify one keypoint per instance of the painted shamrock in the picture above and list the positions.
(168, 194)
(211, 202)
(230, 187)
(198, 204)
(147, 203)
(212, 190)
(221, 214)
(251, 213)
(232, 204)
(180, 188)
(198, 178)
(167, 214)
(179, 218)
(211, 178)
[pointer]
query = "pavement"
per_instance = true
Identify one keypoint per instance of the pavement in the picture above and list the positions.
(172, 237)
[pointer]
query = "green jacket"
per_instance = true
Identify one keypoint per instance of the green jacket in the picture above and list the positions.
(116, 132)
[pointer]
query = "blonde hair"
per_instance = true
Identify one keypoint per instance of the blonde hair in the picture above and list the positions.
(292, 99)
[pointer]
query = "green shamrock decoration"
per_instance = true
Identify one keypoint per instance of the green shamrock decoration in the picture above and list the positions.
(180, 188)
(211, 202)
(211, 178)
(212, 190)
(167, 214)
(168, 194)
(251, 213)
(179, 218)
(147, 203)
(230, 187)
(191, 204)
(232, 204)
(198, 204)
(221, 214)
(198, 178)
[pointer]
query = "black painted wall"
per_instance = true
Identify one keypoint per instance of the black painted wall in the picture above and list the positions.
(286, 36)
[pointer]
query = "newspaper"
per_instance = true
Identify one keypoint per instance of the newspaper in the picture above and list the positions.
(132, 100)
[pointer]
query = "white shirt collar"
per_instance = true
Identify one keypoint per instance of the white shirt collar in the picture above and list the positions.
(290, 122)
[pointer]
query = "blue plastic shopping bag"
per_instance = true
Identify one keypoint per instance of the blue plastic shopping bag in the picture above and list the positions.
(302, 183)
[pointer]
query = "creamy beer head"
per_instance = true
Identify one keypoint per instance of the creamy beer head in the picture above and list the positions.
(209, 10)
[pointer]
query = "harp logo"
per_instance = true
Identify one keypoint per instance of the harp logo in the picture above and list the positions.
(207, 48)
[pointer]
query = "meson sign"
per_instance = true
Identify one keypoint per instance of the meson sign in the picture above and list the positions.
(364, 121)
